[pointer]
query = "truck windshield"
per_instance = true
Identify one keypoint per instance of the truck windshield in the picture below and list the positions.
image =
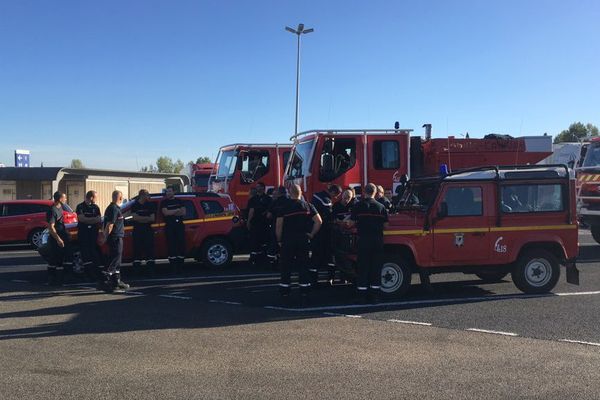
(300, 161)
(418, 195)
(227, 163)
(592, 156)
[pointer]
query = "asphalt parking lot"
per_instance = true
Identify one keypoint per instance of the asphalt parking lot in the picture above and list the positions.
(225, 334)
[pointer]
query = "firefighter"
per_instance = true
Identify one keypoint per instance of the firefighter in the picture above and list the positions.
(370, 218)
(258, 223)
(381, 198)
(59, 243)
(280, 199)
(143, 214)
(114, 230)
(88, 222)
(342, 209)
(174, 211)
(297, 224)
(322, 255)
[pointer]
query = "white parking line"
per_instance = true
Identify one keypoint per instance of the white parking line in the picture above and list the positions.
(192, 278)
(233, 303)
(492, 332)
(19, 281)
(400, 321)
(171, 296)
(435, 301)
(579, 342)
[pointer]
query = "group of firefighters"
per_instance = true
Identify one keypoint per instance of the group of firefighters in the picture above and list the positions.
(302, 233)
(90, 237)
(281, 223)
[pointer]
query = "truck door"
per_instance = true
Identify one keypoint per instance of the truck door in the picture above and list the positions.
(461, 229)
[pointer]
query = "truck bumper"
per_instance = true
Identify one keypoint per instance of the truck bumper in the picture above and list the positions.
(572, 272)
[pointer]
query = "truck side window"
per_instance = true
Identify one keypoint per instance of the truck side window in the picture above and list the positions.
(337, 157)
(254, 165)
(532, 198)
(464, 201)
(212, 207)
(386, 154)
(190, 210)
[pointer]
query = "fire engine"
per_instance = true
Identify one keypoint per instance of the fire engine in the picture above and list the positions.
(588, 186)
(200, 176)
(488, 221)
(352, 158)
(240, 166)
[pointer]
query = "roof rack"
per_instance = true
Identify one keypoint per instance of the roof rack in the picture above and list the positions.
(188, 194)
(349, 132)
(502, 168)
(256, 145)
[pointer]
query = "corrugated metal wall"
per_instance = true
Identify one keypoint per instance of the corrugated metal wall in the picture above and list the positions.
(152, 187)
(104, 190)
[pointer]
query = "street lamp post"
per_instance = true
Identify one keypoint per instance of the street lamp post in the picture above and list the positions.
(298, 32)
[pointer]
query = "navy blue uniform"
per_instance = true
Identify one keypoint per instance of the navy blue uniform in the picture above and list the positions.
(143, 234)
(259, 226)
(87, 234)
(322, 256)
(113, 215)
(297, 224)
(61, 257)
(174, 231)
(370, 217)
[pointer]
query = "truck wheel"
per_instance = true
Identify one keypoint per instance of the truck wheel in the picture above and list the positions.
(396, 275)
(35, 237)
(596, 233)
(216, 253)
(492, 277)
(536, 271)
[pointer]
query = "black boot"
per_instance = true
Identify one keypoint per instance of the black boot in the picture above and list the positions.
(120, 285)
(53, 279)
(104, 282)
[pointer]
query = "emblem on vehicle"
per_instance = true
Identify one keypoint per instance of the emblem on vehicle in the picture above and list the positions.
(499, 247)
(459, 239)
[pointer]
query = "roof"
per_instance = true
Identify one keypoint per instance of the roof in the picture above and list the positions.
(256, 145)
(511, 173)
(53, 173)
(351, 132)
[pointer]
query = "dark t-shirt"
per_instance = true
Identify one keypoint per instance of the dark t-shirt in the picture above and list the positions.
(370, 215)
(341, 211)
(88, 210)
(297, 219)
(113, 215)
(172, 204)
(143, 210)
(55, 216)
(324, 206)
(278, 205)
(260, 204)
(384, 201)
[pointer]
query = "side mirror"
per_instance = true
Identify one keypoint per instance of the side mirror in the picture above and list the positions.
(443, 211)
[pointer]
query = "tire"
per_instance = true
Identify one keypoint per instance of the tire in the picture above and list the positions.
(396, 274)
(536, 271)
(595, 229)
(216, 253)
(492, 277)
(35, 237)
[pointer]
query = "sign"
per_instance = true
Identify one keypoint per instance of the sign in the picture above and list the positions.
(22, 158)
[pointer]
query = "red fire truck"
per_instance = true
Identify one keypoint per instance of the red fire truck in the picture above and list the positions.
(488, 221)
(200, 176)
(588, 186)
(240, 166)
(352, 158)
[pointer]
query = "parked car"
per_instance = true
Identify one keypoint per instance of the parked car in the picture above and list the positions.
(23, 221)
(213, 229)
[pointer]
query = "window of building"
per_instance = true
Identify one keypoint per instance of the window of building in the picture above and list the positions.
(337, 157)
(253, 165)
(464, 201)
(532, 198)
(386, 154)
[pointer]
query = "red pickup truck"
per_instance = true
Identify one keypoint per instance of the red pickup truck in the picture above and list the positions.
(490, 222)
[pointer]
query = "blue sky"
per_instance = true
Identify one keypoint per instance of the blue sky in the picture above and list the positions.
(118, 83)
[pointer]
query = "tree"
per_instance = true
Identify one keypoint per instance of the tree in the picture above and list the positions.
(77, 163)
(576, 132)
(203, 160)
(166, 165)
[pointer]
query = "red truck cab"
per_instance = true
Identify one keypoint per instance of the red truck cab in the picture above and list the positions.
(200, 176)
(241, 166)
(487, 221)
(588, 187)
(352, 158)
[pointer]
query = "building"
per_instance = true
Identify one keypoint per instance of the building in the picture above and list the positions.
(40, 183)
